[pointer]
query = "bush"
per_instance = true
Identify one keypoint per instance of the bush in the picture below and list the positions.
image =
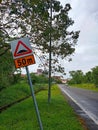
(39, 78)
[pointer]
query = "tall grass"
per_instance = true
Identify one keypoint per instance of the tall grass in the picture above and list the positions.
(85, 86)
(17, 92)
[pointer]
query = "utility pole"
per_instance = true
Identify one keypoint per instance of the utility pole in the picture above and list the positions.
(49, 90)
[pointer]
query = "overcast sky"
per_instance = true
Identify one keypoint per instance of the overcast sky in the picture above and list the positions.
(85, 15)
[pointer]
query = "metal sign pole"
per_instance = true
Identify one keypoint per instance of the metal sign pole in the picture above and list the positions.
(34, 99)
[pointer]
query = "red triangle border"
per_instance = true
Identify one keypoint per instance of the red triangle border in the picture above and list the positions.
(29, 51)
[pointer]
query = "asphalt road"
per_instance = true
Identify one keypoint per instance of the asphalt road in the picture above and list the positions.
(85, 99)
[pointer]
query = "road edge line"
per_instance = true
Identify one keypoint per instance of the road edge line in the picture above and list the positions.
(90, 116)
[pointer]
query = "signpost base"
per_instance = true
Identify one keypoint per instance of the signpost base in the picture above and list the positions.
(34, 99)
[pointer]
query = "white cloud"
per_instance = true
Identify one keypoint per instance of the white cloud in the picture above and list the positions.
(85, 15)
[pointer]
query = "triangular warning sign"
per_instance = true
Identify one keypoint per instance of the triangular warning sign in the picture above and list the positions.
(22, 49)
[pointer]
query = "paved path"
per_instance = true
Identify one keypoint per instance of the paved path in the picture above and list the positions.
(85, 99)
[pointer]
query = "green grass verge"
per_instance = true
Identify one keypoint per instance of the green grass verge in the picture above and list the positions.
(17, 92)
(56, 115)
(85, 86)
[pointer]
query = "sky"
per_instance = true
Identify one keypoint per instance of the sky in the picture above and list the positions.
(85, 15)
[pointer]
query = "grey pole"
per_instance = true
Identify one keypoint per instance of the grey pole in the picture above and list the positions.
(34, 99)
(49, 90)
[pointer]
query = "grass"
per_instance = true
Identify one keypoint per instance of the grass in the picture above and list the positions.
(17, 92)
(85, 86)
(56, 115)
(13, 93)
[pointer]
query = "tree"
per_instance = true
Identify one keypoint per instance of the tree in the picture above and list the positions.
(41, 79)
(21, 18)
(77, 77)
(7, 76)
(95, 75)
(88, 78)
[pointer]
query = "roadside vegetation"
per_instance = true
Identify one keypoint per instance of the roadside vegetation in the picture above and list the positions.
(88, 80)
(85, 86)
(21, 90)
(55, 115)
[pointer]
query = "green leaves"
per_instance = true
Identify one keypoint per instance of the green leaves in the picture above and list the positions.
(6, 69)
(32, 19)
(95, 75)
(56, 6)
(79, 77)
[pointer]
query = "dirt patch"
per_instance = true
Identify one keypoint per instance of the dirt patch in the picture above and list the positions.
(83, 123)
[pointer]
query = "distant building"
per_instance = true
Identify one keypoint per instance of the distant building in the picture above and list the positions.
(23, 75)
(57, 77)
(39, 71)
(64, 80)
(60, 79)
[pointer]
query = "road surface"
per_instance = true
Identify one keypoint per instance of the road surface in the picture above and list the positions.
(85, 99)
